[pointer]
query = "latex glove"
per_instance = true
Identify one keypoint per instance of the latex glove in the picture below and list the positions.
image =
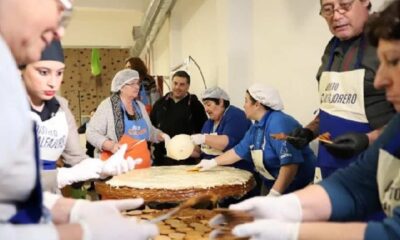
(198, 139)
(83, 209)
(273, 193)
(117, 164)
(301, 137)
(89, 168)
(107, 227)
(166, 137)
(286, 207)
(348, 145)
(99, 218)
(206, 164)
(268, 229)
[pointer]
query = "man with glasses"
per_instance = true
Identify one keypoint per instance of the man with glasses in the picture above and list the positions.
(26, 28)
(351, 109)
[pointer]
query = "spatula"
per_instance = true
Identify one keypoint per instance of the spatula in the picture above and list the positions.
(186, 204)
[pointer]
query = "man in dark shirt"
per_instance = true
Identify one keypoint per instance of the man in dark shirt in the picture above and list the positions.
(178, 112)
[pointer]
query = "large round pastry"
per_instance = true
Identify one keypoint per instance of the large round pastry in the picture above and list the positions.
(176, 183)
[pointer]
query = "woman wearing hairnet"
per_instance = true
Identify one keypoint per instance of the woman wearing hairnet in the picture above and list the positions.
(283, 167)
(56, 129)
(122, 115)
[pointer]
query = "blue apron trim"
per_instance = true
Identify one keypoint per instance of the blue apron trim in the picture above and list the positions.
(143, 96)
(360, 53)
(49, 165)
(336, 126)
(30, 211)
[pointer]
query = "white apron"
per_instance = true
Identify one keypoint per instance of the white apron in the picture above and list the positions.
(257, 156)
(52, 138)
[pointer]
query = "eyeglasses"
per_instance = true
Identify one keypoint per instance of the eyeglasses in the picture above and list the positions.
(66, 14)
(328, 10)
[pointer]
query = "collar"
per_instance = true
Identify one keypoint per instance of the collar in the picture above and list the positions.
(263, 120)
(49, 110)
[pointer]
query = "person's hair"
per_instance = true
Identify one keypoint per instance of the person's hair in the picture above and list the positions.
(385, 24)
(253, 101)
(369, 5)
(216, 101)
(138, 65)
(182, 74)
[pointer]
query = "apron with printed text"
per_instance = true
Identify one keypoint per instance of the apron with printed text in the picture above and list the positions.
(137, 128)
(388, 175)
(30, 211)
(342, 107)
(52, 138)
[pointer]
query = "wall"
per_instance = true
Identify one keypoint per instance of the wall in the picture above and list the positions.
(84, 91)
(238, 42)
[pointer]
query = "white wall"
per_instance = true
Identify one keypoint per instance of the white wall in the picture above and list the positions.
(101, 28)
(238, 42)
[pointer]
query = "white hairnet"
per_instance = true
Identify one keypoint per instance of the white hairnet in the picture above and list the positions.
(266, 95)
(122, 77)
(215, 92)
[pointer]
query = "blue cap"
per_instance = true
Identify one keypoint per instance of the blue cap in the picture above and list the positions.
(53, 52)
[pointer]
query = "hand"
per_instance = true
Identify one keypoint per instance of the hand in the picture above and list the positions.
(83, 209)
(95, 227)
(348, 145)
(273, 193)
(300, 137)
(117, 164)
(107, 227)
(206, 164)
(165, 137)
(286, 207)
(268, 229)
(198, 139)
(89, 168)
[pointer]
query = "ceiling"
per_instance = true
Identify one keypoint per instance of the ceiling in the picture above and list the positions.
(138, 5)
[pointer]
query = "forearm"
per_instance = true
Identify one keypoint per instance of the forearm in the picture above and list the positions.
(110, 146)
(218, 142)
(196, 152)
(373, 135)
(326, 230)
(70, 232)
(227, 158)
(61, 210)
(315, 203)
(314, 125)
(285, 177)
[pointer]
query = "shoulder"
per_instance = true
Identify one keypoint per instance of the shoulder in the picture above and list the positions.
(279, 118)
(62, 101)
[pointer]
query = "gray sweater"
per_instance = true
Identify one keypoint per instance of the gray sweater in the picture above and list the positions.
(101, 126)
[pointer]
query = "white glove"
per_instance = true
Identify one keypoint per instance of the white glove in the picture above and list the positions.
(268, 229)
(273, 193)
(206, 164)
(117, 164)
(198, 139)
(89, 168)
(286, 207)
(166, 137)
(103, 220)
(83, 209)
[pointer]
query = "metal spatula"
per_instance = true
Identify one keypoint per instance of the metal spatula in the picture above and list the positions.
(186, 204)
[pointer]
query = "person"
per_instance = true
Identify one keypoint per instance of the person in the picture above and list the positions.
(335, 208)
(225, 127)
(122, 115)
(82, 130)
(178, 112)
(349, 104)
(26, 27)
(55, 125)
(148, 93)
(283, 167)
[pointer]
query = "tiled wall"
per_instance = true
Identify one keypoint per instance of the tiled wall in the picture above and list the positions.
(84, 91)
